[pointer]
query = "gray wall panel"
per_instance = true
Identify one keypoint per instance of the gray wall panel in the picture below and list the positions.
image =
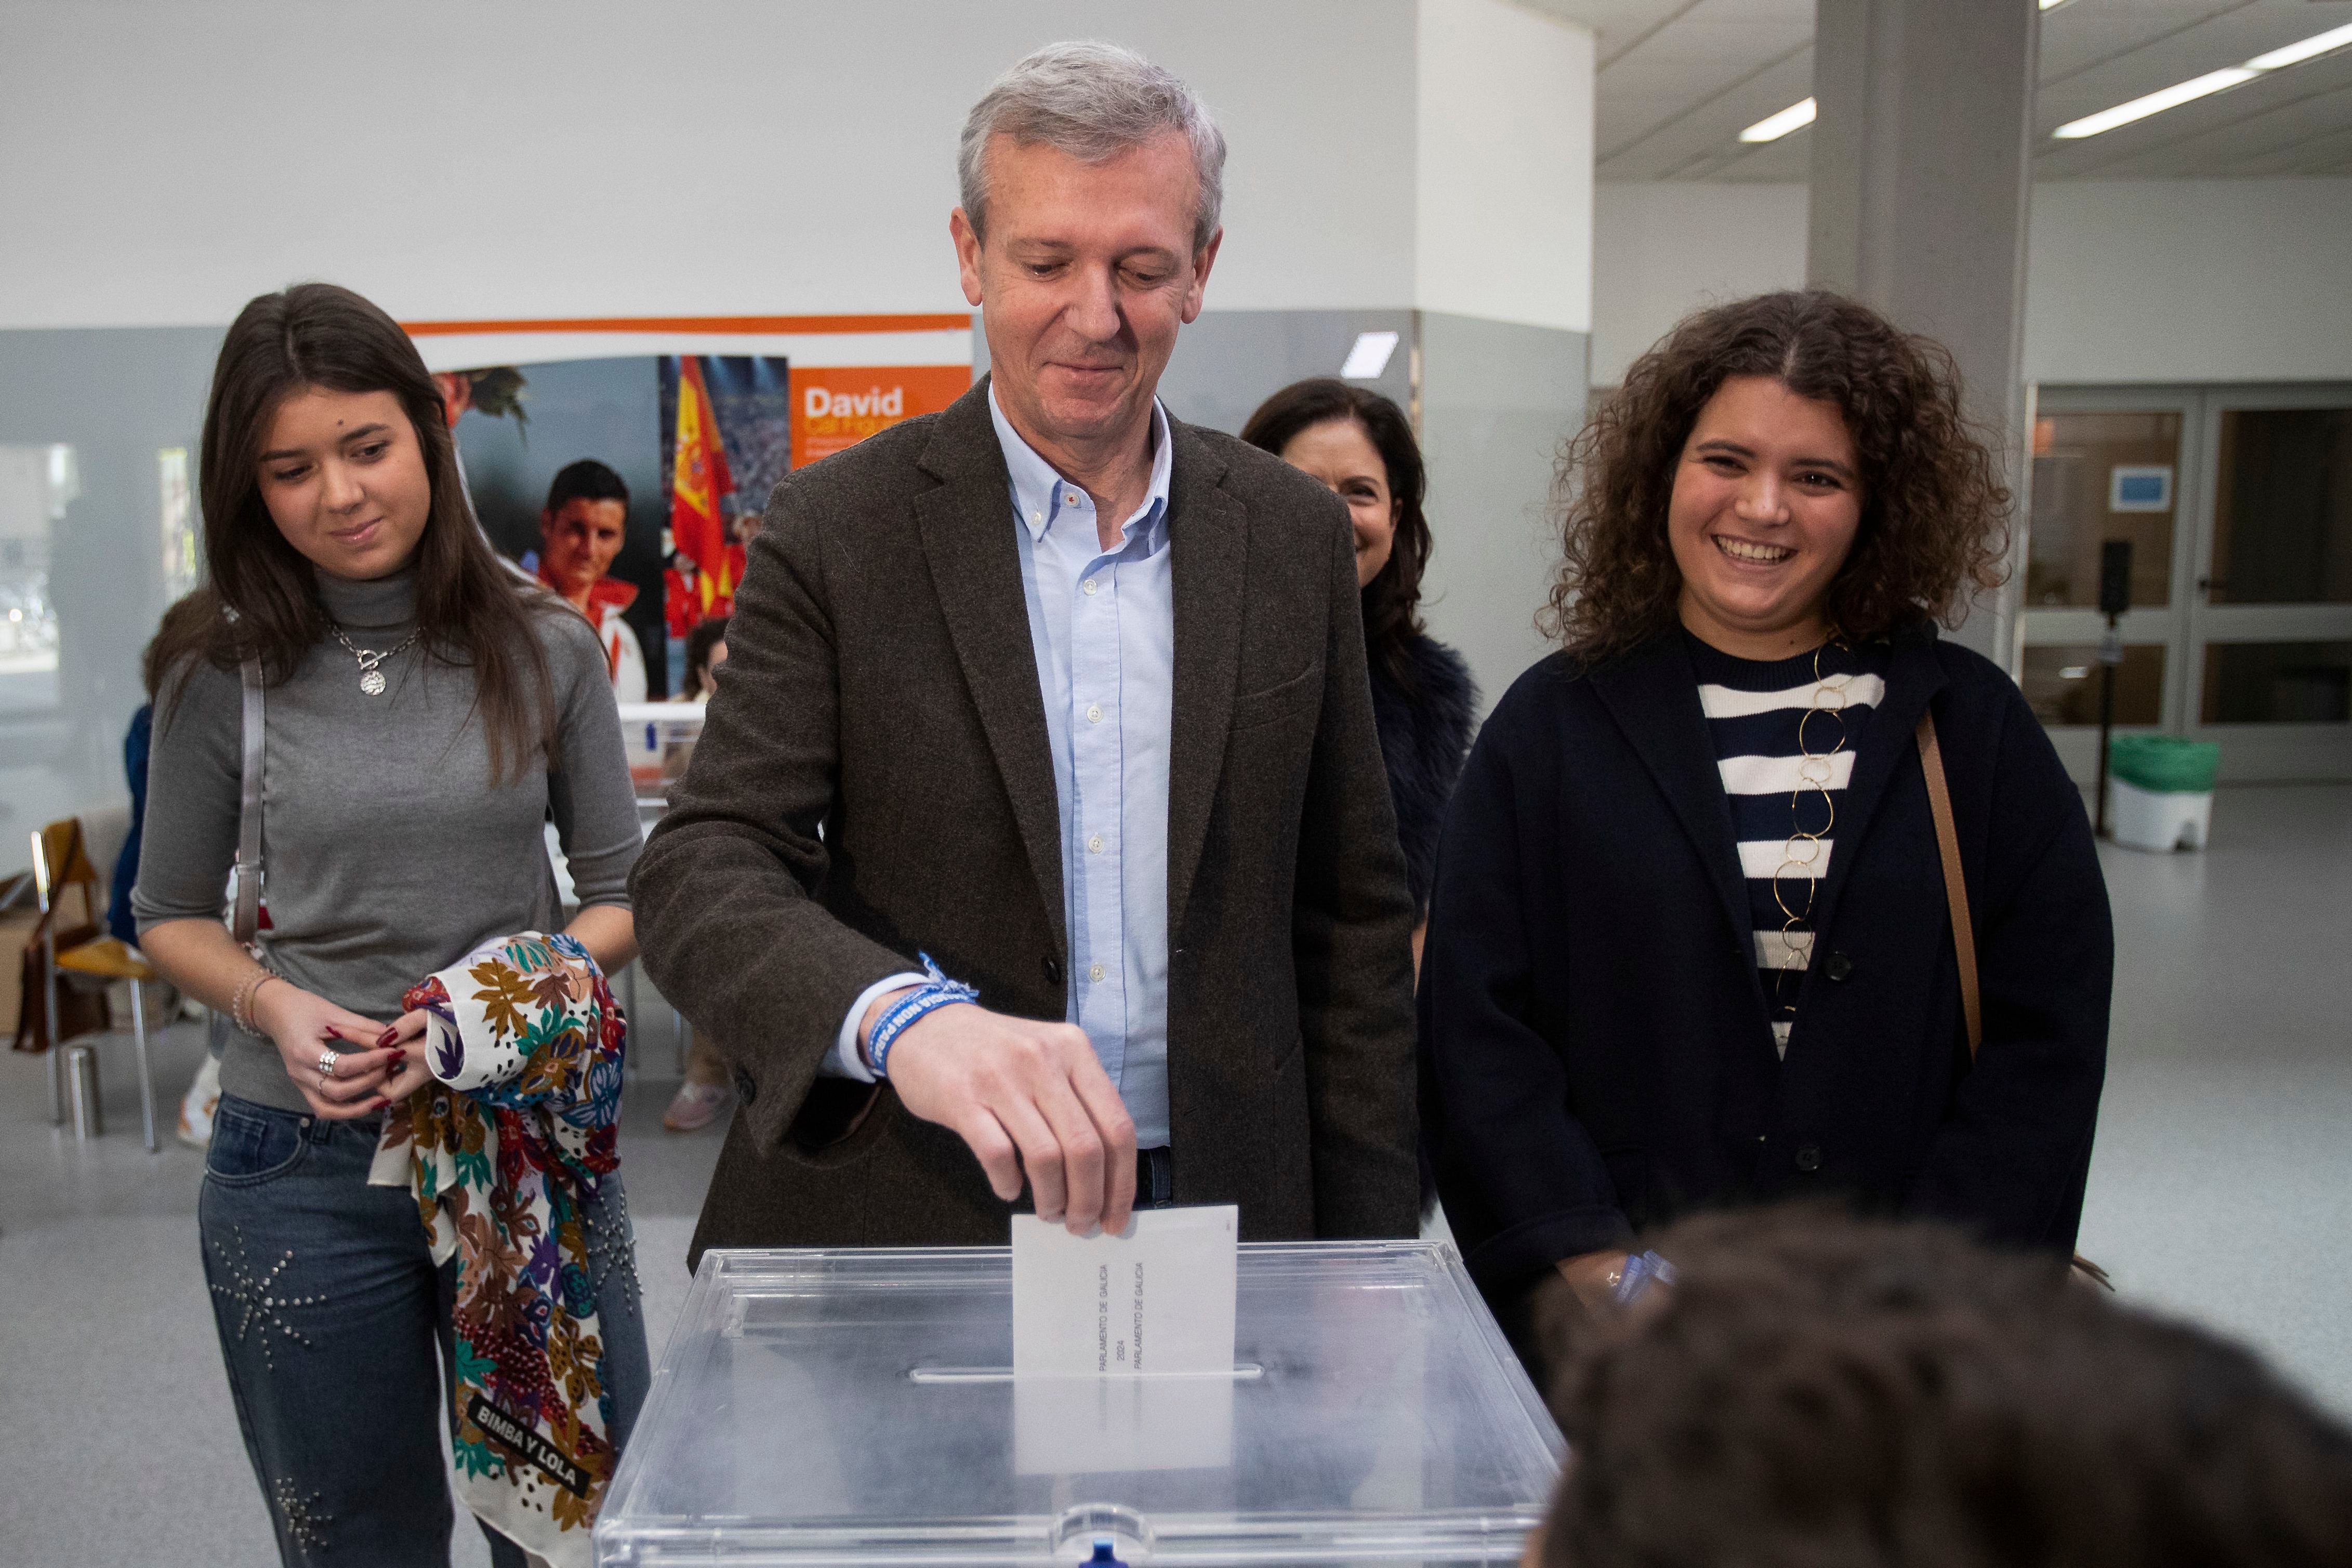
(1496, 403)
(117, 395)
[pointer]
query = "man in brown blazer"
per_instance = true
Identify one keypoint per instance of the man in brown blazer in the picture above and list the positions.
(1054, 697)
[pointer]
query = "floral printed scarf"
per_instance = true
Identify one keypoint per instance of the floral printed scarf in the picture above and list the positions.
(502, 1152)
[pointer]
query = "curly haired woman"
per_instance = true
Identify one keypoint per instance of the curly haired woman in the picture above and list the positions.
(1689, 945)
(1424, 700)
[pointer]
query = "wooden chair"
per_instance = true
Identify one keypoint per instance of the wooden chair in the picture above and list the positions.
(61, 865)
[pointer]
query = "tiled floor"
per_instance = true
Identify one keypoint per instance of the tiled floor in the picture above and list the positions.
(2221, 1189)
(2221, 1181)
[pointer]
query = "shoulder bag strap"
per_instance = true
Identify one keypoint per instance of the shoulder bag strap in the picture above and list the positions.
(248, 919)
(1964, 935)
(1955, 885)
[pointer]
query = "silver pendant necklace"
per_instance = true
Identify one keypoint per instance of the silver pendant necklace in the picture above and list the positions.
(371, 677)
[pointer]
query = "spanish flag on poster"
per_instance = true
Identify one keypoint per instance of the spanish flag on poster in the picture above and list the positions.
(698, 480)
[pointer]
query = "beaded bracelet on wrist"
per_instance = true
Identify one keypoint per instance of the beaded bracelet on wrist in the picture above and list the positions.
(240, 1007)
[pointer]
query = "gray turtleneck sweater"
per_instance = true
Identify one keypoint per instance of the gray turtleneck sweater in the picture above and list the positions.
(387, 855)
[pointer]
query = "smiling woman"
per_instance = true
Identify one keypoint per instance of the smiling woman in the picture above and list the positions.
(1863, 411)
(1688, 945)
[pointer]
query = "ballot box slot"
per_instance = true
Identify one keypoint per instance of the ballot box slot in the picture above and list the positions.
(1243, 1372)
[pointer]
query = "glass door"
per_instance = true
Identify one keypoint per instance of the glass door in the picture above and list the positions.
(2237, 506)
(2108, 464)
(2270, 630)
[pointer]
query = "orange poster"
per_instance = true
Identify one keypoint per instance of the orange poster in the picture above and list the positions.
(837, 406)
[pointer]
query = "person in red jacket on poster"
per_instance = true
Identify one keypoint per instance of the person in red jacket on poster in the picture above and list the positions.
(581, 530)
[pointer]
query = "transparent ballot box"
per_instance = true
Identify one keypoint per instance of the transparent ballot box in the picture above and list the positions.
(859, 1407)
(658, 739)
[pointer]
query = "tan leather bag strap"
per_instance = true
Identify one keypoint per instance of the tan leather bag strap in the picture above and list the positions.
(1964, 930)
(1955, 883)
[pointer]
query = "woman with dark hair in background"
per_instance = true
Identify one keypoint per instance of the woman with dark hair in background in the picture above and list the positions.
(1361, 445)
(422, 715)
(1690, 943)
(706, 650)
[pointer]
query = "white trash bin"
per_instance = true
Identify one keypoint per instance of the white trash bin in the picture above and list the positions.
(2157, 820)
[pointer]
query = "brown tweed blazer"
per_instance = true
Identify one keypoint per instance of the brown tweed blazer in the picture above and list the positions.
(874, 780)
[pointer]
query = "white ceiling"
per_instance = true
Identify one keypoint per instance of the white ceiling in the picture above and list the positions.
(1680, 78)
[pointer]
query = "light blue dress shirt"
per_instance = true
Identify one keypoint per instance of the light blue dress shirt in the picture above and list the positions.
(1102, 626)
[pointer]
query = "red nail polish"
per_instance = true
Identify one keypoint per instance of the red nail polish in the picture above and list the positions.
(398, 1058)
(387, 1037)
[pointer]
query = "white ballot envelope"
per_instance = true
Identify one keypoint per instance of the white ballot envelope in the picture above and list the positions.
(1155, 1300)
(1123, 1345)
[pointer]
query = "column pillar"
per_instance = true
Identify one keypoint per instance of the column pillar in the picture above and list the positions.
(1922, 161)
(1503, 312)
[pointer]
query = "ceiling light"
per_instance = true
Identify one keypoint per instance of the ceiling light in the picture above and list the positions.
(1796, 117)
(1370, 356)
(2295, 53)
(2051, 5)
(2173, 97)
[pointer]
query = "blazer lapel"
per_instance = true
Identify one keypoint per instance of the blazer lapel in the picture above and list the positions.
(1652, 695)
(1208, 530)
(1913, 678)
(967, 526)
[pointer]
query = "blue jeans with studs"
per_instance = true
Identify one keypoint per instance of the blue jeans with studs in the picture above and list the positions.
(334, 1323)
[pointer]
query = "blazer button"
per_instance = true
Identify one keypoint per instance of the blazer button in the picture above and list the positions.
(1052, 971)
(1809, 1158)
(745, 1090)
(1838, 967)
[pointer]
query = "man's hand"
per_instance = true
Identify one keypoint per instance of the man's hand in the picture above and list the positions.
(1025, 1095)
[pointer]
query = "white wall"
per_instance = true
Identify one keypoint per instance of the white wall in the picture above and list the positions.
(2191, 281)
(2152, 280)
(162, 161)
(1505, 168)
(1662, 249)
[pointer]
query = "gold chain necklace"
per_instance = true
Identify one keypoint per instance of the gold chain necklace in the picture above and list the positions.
(1802, 852)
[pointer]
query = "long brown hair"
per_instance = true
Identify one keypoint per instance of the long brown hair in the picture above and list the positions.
(1934, 511)
(1392, 599)
(262, 601)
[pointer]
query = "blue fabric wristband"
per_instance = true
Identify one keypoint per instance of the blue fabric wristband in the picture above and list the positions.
(940, 992)
(1641, 1271)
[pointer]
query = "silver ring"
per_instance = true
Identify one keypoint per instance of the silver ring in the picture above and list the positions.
(327, 1059)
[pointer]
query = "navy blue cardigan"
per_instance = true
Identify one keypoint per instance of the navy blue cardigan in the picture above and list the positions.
(1424, 740)
(1596, 1055)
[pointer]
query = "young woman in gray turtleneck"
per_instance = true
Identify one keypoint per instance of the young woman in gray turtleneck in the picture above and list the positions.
(425, 715)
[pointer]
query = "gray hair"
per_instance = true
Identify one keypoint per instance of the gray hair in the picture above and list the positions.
(1092, 101)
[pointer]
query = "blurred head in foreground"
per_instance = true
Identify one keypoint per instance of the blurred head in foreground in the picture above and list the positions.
(1821, 1391)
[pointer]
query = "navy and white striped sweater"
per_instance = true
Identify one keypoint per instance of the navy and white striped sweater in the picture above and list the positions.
(1784, 744)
